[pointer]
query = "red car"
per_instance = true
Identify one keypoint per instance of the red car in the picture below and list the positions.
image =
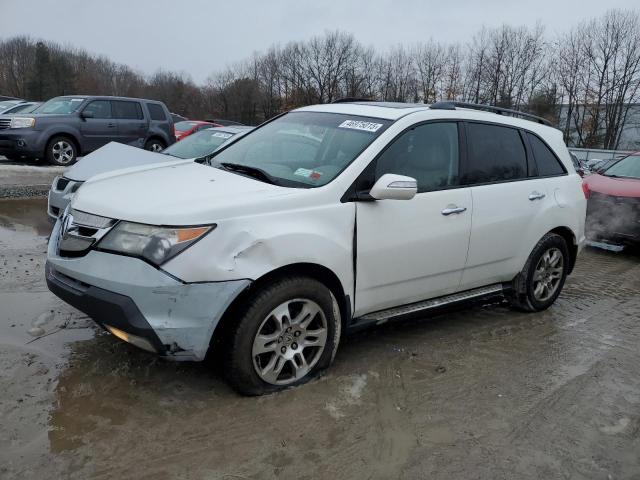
(613, 208)
(187, 127)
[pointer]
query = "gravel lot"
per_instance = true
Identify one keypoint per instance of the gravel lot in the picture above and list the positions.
(484, 393)
(26, 179)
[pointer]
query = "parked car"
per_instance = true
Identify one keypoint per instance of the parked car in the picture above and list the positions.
(186, 128)
(23, 107)
(66, 127)
(204, 142)
(115, 156)
(177, 118)
(580, 168)
(613, 211)
(602, 165)
(7, 104)
(325, 219)
(224, 123)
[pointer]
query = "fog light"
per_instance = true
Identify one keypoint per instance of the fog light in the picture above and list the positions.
(139, 342)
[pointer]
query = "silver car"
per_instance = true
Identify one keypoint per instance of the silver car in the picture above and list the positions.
(116, 156)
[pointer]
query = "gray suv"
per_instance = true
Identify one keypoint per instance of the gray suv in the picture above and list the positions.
(66, 127)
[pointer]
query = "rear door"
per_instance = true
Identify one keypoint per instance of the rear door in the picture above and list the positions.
(411, 250)
(132, 125)
(101, 128)
(507, 199)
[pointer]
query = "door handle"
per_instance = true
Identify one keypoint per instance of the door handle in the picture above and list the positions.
(452, 210)
(536, 196)
(111, 125)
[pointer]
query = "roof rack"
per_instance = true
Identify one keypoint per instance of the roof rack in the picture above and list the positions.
(352, 99)
(489, 108)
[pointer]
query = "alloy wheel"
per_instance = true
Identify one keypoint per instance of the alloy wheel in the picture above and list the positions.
(289, 341)
(548, 274)
(62, 152)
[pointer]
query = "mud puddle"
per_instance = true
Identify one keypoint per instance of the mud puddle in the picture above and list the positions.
(480, 393)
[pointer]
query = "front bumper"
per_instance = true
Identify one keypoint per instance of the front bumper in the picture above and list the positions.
(616, 219)
(21, 142)
(178, 319)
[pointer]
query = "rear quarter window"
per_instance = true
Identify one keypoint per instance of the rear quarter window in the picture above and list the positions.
(156, 112)
(547, 162)
(495, 154)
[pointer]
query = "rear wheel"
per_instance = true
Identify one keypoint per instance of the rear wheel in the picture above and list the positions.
(285, 336)
(154, 145)
(543, 276)
(61, 151)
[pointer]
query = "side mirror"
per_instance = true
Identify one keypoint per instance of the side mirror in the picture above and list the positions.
(394, 187)
(86, 114)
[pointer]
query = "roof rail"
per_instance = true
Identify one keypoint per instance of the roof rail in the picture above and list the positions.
(352, 99)
(489, 108)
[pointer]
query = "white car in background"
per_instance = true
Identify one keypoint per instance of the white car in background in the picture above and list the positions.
(116, 156)
(327, 218)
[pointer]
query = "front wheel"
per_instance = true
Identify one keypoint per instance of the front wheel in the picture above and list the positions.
(543, 276)
(285, 336)
(61, 151)
(154, 145)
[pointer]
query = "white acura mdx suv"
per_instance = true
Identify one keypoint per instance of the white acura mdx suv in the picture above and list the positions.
(324, 219)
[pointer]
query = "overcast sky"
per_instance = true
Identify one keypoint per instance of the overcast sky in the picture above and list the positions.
(199, 37)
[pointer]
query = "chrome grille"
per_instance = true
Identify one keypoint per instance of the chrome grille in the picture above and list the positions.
(79, 231)
(90, 220)
(62, 183)
(5, 123)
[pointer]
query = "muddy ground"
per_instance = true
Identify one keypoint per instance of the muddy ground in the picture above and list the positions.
(485, 393)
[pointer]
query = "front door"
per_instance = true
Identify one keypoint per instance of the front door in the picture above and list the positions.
(412, 250)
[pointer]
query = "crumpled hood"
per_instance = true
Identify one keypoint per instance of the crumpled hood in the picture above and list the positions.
(185, 193)
(114, 156)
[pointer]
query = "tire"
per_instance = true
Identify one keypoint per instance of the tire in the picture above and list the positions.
(154, 145)
(61, 151)
(278, 355)
(541, 280)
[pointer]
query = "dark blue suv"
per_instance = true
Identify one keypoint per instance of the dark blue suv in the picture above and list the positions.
(66, 127)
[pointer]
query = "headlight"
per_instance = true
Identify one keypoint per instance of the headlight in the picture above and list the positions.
(155, 244)
(22, 122)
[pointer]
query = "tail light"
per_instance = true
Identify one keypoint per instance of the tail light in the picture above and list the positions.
(585, 189)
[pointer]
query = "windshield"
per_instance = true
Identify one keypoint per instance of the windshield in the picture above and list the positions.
(628, 167)
(200, 144)
(8, 104)
(184, 126)
(303, 149)
(26, 108)
(61, 105)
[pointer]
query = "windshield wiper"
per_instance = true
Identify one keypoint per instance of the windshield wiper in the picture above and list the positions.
(254, 172)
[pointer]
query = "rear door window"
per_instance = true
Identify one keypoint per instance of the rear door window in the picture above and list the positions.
(548, 164)
(495, 154)
(126, 110)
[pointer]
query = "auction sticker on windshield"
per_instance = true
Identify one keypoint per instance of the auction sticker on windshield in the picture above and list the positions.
(305, 172)
(360, 125)
(221, 135)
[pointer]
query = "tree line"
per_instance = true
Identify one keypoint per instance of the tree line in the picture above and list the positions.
(584, 80)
